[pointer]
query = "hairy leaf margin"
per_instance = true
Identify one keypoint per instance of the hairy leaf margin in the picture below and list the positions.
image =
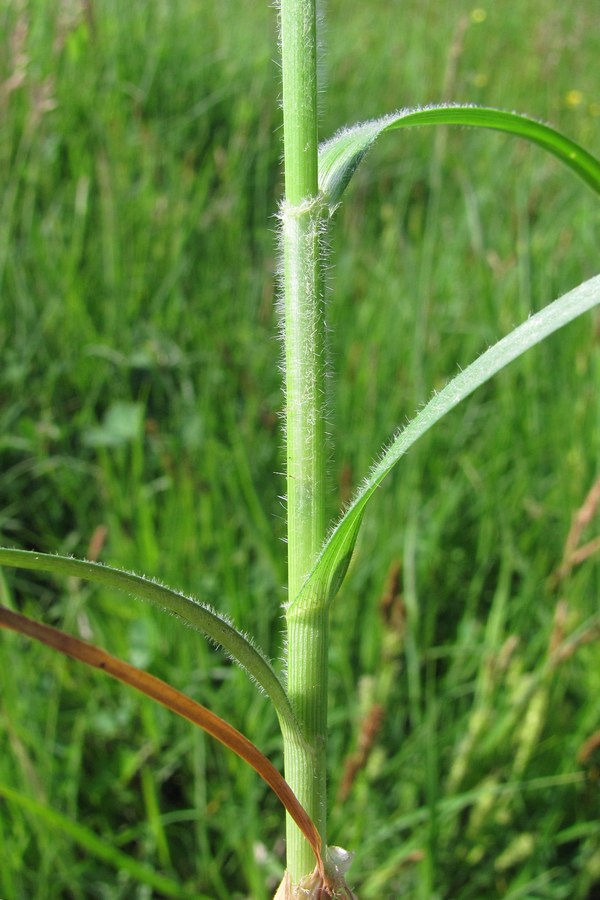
(198, 616)
(340, 156)
(330, 569)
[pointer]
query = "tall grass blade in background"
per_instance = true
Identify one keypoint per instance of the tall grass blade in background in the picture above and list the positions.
(95, 848)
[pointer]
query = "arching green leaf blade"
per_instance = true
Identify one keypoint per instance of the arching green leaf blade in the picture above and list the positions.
(328, 574)
(199, 616)
(340, 157)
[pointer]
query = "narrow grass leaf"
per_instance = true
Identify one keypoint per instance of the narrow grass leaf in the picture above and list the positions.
(174, 700)
(333, 561)
(341, 155)
(97, 847)
(198, 615)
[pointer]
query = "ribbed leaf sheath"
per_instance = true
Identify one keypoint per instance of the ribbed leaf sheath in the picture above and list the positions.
(306, 458)
(306, 772)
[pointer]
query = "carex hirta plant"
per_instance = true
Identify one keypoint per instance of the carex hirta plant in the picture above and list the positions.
(319, 552)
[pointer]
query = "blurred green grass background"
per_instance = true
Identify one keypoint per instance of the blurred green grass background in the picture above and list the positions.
(140, 173)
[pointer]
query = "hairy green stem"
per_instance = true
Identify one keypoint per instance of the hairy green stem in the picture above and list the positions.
(304, 328)
(305, 388)
(306, 457)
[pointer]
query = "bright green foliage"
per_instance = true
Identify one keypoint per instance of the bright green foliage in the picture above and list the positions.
(340, 157)
(139, 178)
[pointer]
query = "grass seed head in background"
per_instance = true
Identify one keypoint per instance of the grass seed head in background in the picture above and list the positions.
(140, 172)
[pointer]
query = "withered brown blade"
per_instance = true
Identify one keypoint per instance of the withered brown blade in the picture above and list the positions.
(175, 701)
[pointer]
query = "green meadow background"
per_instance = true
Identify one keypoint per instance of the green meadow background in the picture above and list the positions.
(140, 387)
